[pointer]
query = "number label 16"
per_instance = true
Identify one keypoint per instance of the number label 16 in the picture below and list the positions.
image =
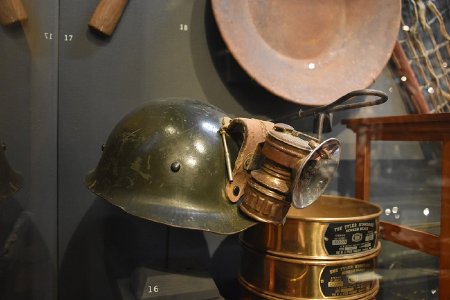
(153, 289)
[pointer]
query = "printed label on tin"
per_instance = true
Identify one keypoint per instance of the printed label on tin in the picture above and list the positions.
(350, 238)
(348, 280)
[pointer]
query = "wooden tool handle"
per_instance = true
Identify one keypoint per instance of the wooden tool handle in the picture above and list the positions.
(107, 15)
(12, 11)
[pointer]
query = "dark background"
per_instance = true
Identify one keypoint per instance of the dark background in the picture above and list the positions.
(60, 99)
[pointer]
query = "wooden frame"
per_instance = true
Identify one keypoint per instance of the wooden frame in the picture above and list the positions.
(423, 127)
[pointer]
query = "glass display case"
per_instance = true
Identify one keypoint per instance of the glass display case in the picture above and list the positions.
(116, 157)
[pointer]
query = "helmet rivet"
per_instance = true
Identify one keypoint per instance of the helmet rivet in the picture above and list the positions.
(175, 166)
(236, 190)
(103, 147)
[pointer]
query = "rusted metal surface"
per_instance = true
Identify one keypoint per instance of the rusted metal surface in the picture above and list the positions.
(310, 52)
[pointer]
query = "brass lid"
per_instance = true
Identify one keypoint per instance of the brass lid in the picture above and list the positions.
(328, 208)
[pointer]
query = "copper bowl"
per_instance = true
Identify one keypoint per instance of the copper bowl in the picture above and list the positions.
(310, 52)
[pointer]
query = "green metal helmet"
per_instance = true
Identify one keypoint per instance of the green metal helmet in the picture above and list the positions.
(10, 181)
(165, 162)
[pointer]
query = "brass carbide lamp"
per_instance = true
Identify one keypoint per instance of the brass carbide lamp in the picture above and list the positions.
(295, 169)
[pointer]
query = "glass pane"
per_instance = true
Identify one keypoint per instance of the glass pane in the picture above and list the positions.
(406, 273)
(406, 182)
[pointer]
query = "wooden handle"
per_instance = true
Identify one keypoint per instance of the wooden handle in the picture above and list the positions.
(107, 15)
(12, 11)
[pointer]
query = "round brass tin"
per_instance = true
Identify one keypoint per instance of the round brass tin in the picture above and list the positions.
(331, 228)
(274, 277)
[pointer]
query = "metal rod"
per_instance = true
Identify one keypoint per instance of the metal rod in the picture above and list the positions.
(227, 155)
(305, 136)
(320, 129)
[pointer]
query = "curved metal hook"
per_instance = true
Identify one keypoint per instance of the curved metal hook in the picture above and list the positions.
(338, 105)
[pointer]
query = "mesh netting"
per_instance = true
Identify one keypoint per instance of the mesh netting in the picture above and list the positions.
(424, 37)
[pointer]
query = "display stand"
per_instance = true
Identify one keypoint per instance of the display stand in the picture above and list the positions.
(424, 127)
(164, 285)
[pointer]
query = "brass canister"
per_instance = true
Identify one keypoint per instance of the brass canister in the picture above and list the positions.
(327, 250)
(265, 276)
(332, 228)
(247, 294)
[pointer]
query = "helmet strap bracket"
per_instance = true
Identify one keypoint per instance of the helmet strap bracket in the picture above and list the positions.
(254, 133)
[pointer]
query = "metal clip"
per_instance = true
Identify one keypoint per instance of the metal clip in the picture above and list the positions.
(227, 152)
